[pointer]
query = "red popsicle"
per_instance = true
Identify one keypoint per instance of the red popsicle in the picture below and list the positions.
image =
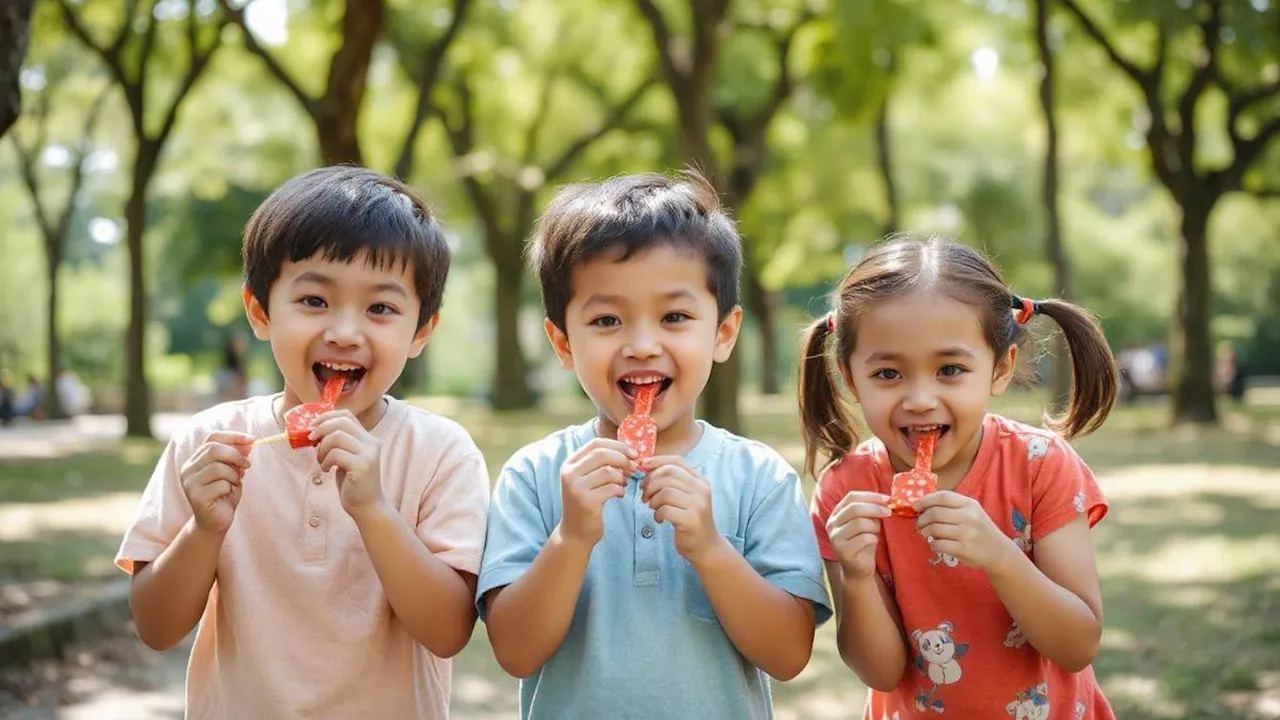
(300, 420)
(915, 483)
(639, 431)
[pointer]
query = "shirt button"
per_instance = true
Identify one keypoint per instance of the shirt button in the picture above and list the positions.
(646, 532)
(315, 521)
(317, 480)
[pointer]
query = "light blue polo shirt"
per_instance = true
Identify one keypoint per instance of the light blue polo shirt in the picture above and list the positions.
(644, 641)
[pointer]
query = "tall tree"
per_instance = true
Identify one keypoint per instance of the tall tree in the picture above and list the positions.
(15, 31)
(503, 191)
(1175, 136)
(130, 56)
(54, 224)
(1049, 195)
(689, 67)
(748, 126)
(335, 111)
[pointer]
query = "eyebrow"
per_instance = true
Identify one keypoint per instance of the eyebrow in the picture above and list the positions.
(608, 299)
(319, 278)
(951, 352)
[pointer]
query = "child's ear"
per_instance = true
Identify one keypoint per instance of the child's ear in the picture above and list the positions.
(257, 315)
(1004, 370)
(424, 332)
(727, 334)
(559, 343)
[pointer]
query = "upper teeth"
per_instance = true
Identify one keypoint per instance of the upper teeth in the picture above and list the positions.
(340, 366)
(645, 379)
(927, 428)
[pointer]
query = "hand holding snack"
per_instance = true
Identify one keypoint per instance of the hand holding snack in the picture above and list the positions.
(211, 479)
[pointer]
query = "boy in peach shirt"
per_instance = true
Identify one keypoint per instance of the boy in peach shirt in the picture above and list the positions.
(331, 581)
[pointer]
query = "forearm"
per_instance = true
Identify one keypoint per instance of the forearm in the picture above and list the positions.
(169, 595)
(527, 620)
(430, 598)
(1057, 622)
(768, 625)
(868, 632)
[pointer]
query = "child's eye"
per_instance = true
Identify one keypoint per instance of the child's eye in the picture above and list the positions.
(952, 370)
(605, 321)
(675, 317)
(382, 309)
(886, 374)
(312, 301)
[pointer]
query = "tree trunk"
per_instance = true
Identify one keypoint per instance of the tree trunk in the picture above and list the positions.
(510, 388)
(1049, 194)
(764, 305)
(338, 111)
(1194, 398)
(884, 158)
(137, 408)
(15, 31)
(52, 402)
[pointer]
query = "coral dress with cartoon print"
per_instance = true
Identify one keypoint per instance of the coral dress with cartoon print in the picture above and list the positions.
(968, 657)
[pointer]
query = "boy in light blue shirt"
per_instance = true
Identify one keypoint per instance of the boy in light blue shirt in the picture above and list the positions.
(672, 587)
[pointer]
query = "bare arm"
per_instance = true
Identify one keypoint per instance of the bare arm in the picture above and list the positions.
(770, 627)
(169, 595)
(1056, 600)
(868, 629)
(431, 599)
(527, 620)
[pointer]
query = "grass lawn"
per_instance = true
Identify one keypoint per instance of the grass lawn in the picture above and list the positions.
(1189, 556)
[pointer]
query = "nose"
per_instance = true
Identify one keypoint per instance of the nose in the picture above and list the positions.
(920, 398)
(643, 343)
(344, 330)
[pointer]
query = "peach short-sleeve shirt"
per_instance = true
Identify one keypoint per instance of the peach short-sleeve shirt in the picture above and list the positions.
(297, 624)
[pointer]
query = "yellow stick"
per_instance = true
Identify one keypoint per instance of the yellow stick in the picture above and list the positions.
(271, 439)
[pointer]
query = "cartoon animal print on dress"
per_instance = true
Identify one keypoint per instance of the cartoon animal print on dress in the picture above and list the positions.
(1030, 704)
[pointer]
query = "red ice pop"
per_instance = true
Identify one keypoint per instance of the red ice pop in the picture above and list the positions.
(639, 431)
(915, 483)
(300, 420)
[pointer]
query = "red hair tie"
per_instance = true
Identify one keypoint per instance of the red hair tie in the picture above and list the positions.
(831, 323)
(1026, 307)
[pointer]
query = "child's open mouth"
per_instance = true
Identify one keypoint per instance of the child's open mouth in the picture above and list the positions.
(629, 384)
(349, 372)
(912, 433)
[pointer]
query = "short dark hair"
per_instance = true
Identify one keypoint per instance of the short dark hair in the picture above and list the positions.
(340, 212)
(630, 214)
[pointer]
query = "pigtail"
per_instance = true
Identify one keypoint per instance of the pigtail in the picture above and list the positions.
(825, 418)
(1095, 378)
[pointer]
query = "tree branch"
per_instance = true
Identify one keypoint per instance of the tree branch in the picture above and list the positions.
(1093, 31)
(1210, 28)
(432, 65)
(611, 122)
(462, 140)
(1268, 193)
(277, 71)
(540, 114)
(77, 168)
(199, 61)
(662, 41)
(149, 40)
